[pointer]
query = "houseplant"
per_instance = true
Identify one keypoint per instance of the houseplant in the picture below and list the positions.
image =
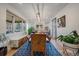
(30, 30)
(70, 43)
(71, 40)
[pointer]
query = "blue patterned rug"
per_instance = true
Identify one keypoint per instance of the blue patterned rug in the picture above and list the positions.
(25, 50)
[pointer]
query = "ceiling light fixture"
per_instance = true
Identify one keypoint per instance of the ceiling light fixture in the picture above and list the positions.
(38, 11)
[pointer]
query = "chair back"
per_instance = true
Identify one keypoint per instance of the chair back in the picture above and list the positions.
(38, 44)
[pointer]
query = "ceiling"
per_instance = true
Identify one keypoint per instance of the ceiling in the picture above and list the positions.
(47, 10)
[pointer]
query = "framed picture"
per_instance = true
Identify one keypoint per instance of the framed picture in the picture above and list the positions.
(62, 21)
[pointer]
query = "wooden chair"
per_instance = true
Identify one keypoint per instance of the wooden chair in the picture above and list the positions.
(38, 44)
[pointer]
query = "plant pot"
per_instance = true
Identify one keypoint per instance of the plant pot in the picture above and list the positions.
(75, 46)
(72, 49)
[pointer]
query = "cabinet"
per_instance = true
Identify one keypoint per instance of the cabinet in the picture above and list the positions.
(22, 41)
(17, 42)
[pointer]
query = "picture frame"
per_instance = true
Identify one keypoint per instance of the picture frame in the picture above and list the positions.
(62, 21)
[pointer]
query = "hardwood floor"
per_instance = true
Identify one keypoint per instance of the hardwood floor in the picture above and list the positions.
(11, 52)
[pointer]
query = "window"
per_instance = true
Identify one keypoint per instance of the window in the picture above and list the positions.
(9, 25)
(24, 25)
(18, 26)
(14, 23)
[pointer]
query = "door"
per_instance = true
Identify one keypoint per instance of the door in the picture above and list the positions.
(54, 28)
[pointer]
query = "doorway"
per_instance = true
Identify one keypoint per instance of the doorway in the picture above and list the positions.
(54, 28)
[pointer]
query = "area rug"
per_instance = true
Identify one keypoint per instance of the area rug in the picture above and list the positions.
(25, 50)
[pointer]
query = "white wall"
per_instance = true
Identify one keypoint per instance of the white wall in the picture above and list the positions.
(2, 20)
(3, 8)
(72, 19)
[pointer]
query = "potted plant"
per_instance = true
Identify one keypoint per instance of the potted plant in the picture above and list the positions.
(70, 40)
